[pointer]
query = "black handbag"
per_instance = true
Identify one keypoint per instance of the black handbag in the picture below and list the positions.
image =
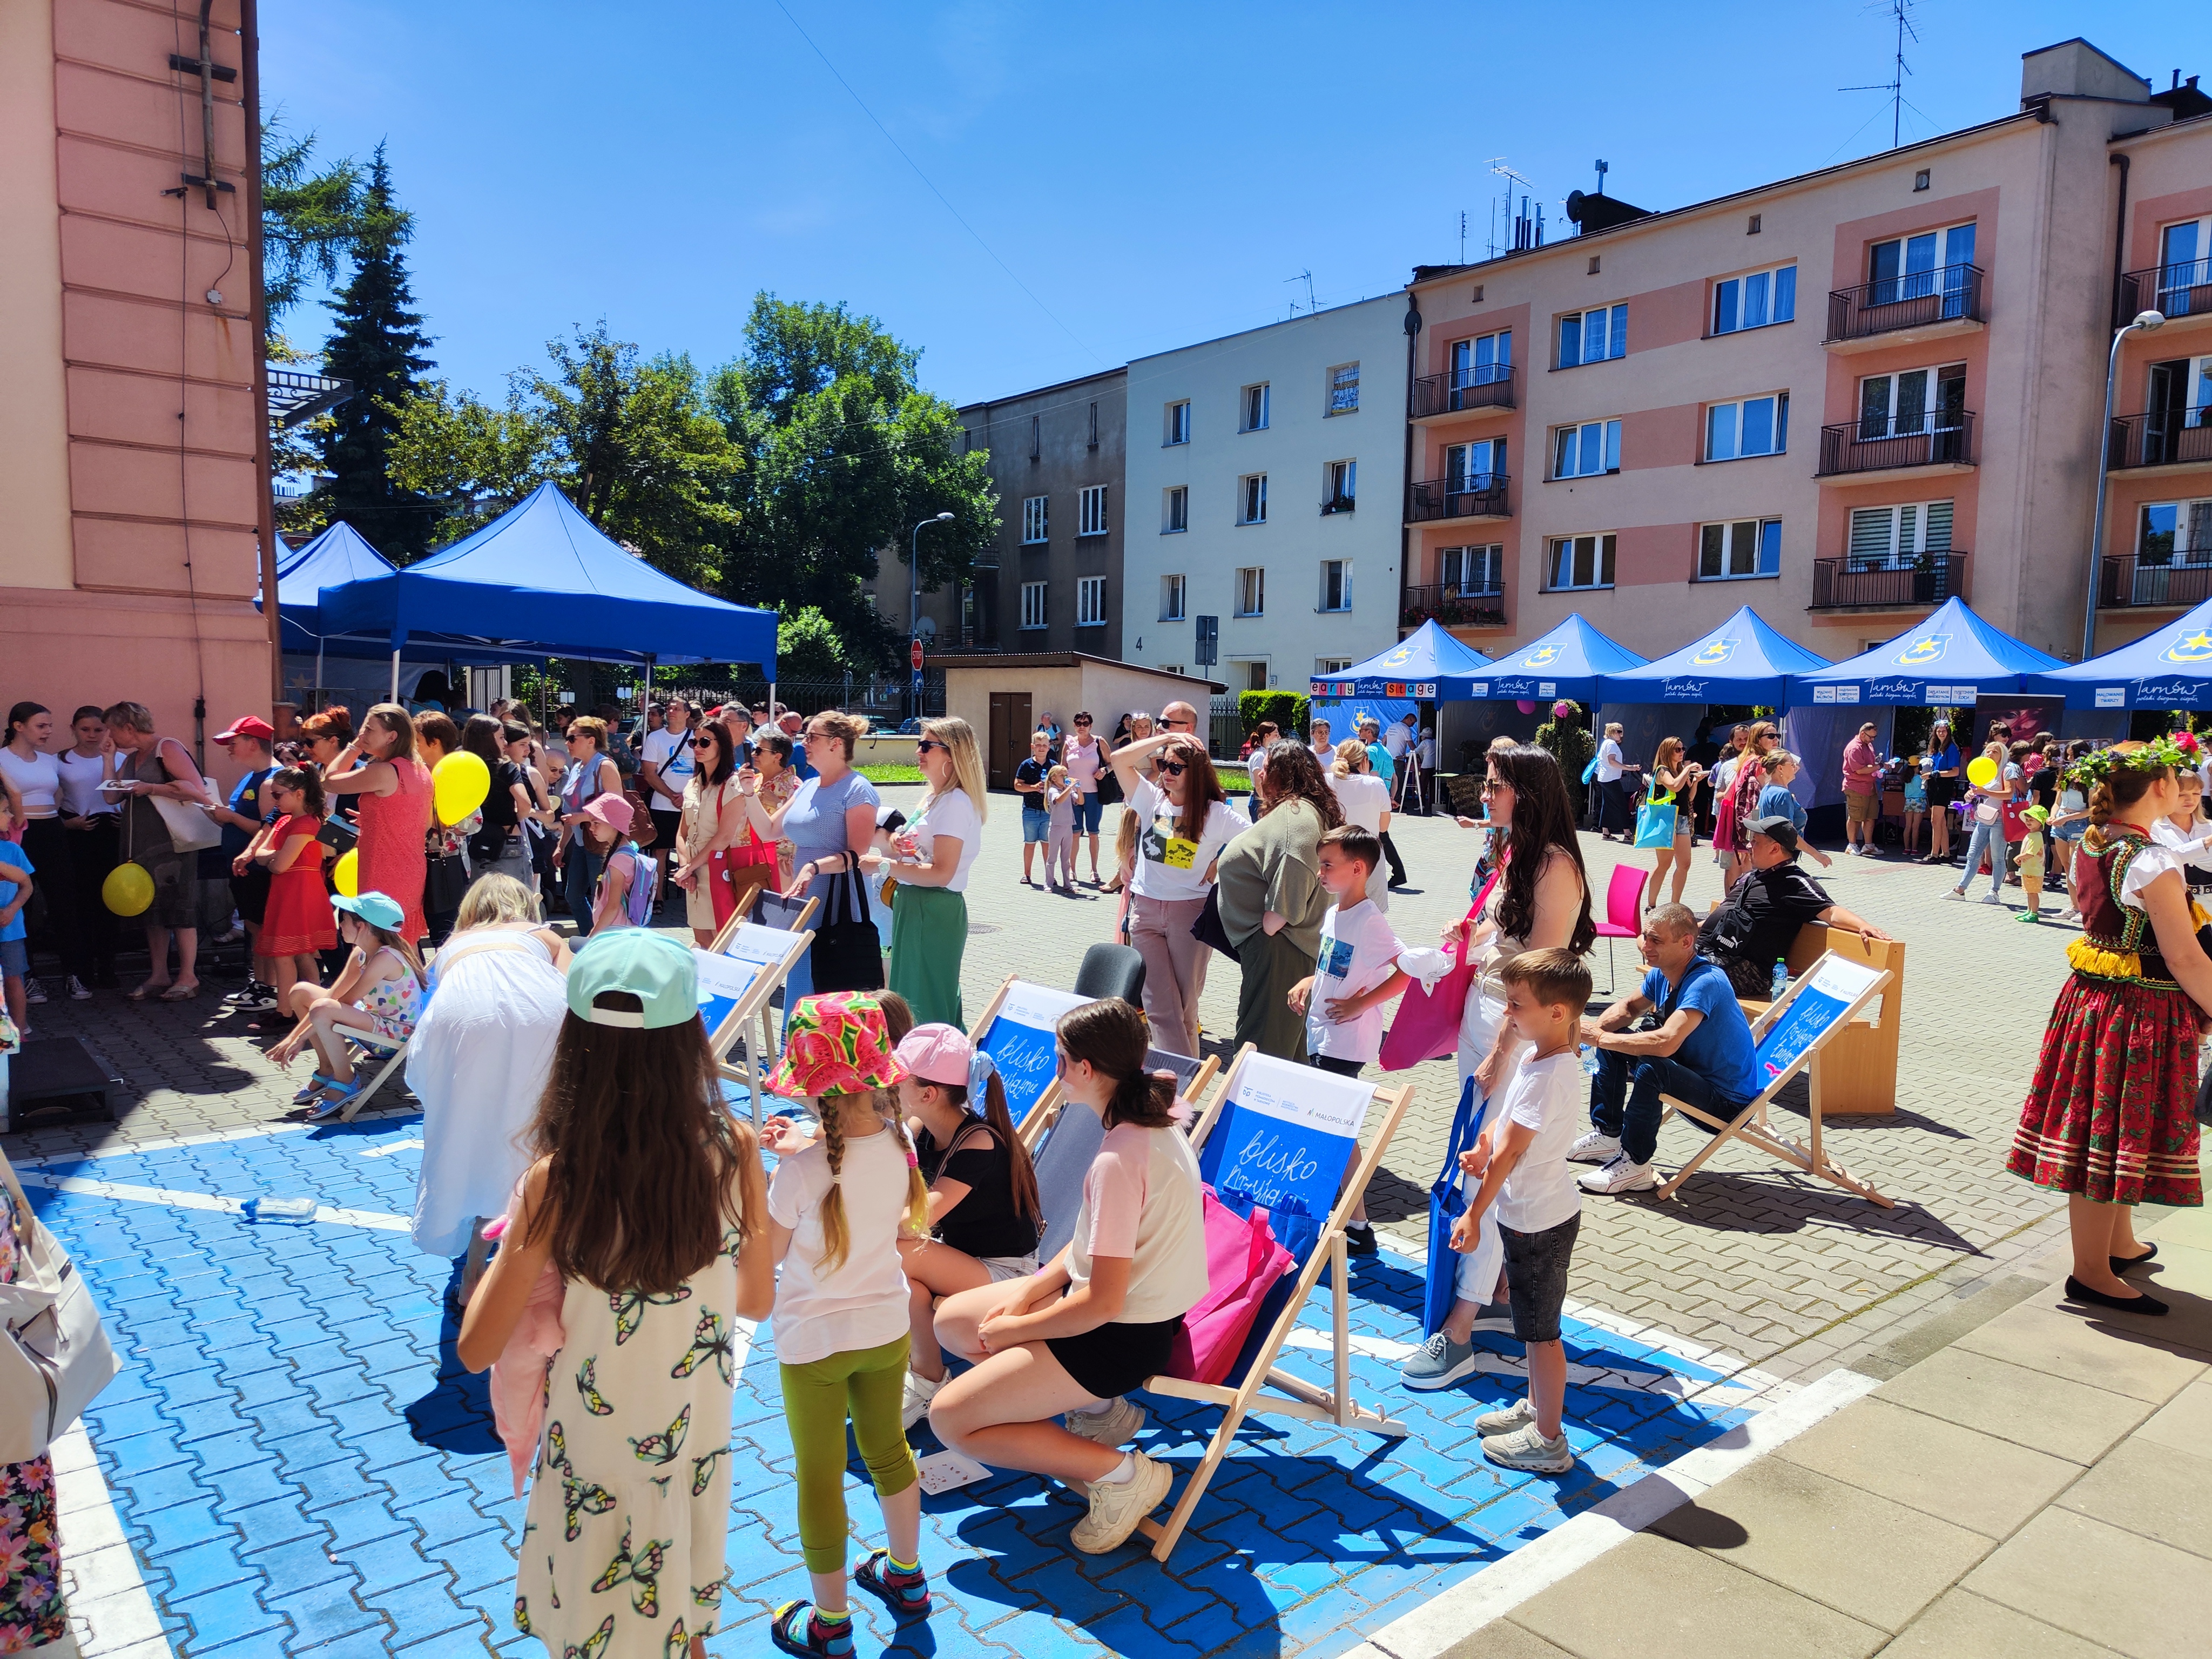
(847, 953)
(1208, 930)
(445, 884)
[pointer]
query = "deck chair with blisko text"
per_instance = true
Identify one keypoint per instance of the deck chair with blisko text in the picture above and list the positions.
(1017, 1029)
(1820, 1004)
(745, 968)
(1283, 1136)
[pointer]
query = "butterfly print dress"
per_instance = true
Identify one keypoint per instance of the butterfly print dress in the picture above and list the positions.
(630, 1505)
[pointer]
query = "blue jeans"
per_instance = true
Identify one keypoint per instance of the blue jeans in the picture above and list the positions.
(1987, 838)
(1625, 1099)
(580, 879)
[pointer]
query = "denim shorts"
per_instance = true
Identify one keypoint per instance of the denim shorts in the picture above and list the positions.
(1088, 814)
(1536, 1277)
(14, 958)
(1036, 825)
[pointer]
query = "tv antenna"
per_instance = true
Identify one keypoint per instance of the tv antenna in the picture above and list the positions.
(1305, 276)
(1525, 227)
(1462, 236)
(1899, 69)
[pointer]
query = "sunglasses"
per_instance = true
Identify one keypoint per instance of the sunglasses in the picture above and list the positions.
(1173, 769)
(1178, 726)
(928, 743)
(702, 743)
(1083, 722)
(1492, 786)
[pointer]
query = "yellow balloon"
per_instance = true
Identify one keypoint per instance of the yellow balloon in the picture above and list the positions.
(128, 889)
(458, 785)
(1983, 773)
(345, 875)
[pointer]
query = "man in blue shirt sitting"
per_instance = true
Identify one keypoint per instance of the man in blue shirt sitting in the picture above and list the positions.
(1700, 1051)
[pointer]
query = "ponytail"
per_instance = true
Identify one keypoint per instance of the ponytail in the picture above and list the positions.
(1027, 1204)
(1145, 1098)
(917, 1189)
(1111, 1036)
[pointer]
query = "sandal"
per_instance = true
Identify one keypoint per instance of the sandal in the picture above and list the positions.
(316, 1083)
(180, 992)
(149, 989)
(336, 1098)
(909, 1600)
(778, 1631)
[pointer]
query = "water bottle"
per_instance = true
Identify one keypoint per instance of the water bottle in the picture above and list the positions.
(265, 1206)
(1781, 980)
(1589, 1059)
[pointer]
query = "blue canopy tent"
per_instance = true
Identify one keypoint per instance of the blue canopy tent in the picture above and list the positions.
(1742, 660)
(341, 555)
(1427, 663)
(1949, 660)
(543, 581)
(2167, 668)
(1563, 663)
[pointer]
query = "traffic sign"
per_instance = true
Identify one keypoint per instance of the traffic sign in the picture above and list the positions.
(914, 653)
(917, 679)
(1209, 642)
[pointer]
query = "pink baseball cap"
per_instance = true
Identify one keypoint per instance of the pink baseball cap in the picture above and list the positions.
(612, 810)
(936, 1053)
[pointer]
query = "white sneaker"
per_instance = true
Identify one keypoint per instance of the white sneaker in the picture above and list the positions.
(1117, 1425)
(1527, 1449)
(920, 1391)
(1506, 1418)
(1595, 1147)
(1619, 1175)
(77, 992)
(1116, 1509)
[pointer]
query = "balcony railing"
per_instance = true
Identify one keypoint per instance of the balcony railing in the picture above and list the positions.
(1338, 504)
(1927, 580)
(1485, 386)
(1455, 607)
(1482, 496)
(1871, 445)
(2134, 581)
(2162, 438)
(2183, 290)
(1916, 300)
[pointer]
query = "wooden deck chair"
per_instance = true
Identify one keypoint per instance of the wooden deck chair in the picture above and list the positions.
(1193, 1078)
(1307, 1121)
(390, 1056)
(1015, 1029)
(746, 967)
(1820, 1005)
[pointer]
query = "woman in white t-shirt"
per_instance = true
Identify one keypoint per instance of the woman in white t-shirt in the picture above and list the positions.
(1367, 802)
(1612, 800)
(929, 910)
(1187, 823)
(1075, 1338)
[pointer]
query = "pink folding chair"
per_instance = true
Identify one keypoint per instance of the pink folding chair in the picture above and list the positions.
(1622, 920)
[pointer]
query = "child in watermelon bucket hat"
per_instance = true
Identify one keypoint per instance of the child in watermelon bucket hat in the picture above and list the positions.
(836, 1207)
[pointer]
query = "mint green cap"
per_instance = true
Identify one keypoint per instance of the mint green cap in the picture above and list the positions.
(652, 967)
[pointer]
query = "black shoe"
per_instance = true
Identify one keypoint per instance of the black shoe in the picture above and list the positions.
(1360, 1241)
(2122, 1263)
(2077, 1291)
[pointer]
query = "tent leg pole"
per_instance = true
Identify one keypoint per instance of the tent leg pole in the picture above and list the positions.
(395, 676)
(315, 696)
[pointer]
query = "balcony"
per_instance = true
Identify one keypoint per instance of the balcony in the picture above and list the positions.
(1463, 391)
(1922, 305)
(1850, 584)
(1482, 496)
(2125, 583)
(1946, 443)
(1454, 607)
(2175, 291)
(2167, 437)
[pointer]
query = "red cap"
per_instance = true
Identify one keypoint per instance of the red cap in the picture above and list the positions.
(252, 726)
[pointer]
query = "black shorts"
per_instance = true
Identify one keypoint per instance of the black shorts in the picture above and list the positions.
(250, 893)
(665, 826)
(1941, 791)
(1536, 1271)
(1115, 1358)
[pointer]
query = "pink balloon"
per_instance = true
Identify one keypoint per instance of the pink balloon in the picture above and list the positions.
(1526, 705)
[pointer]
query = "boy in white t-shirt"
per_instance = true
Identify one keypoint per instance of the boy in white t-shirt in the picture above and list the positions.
(1520, 1160)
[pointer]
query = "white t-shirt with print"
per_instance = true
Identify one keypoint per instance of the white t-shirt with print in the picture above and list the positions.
(1169, 866)
(1357, 953)
(1550, 1095)
(950, 814)
(1364, 798)
(1141, 1201)
(670, 751)
(862, 1304)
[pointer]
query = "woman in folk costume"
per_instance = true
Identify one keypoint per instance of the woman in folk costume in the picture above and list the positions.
(2108, 1120)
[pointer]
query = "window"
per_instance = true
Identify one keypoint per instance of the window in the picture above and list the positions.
(1892, 537)
(1336, 583)
(2175, 533)
(2184, 263)
(1094, 426)
(1331, 664)
(1091, 511)
(1591, 336)
(1484, 360)
(1252, 409)
(1252, 590)
(1171, 599)
(1344, 389)
(1342, 482)
(1756, 426)
(1581, 561)
(1462, 571)
(1754, 302)
(2180, 399)
(1032, 605)
(1175, 510)
(1170, 668)
(1256, 676)
(1037, 436)
(1589, 451)
(1906, 268)
(1748, 547)
(1033, 518)
(1898, 405)
(1252, 498)
(1470, 469)
(1090, 602)
(1178, 428)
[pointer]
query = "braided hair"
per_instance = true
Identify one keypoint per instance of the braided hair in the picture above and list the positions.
(836, 1236)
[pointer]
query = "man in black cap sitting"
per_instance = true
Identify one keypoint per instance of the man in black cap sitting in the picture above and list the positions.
(1758, 922)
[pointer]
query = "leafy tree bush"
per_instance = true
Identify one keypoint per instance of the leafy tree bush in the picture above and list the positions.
(1570, 744)
(1288, 710)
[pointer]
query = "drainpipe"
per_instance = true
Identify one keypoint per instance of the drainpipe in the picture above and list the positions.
(1406, 478)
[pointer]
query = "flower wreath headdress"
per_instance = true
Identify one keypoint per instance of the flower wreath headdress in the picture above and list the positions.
(2179, 749)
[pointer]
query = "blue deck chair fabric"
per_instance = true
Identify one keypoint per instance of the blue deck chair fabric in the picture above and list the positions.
(1061, 1163)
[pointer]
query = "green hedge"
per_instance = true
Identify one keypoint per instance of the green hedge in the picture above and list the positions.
(1289, 711)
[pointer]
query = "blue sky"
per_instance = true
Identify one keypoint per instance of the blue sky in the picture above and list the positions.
(1151, 174)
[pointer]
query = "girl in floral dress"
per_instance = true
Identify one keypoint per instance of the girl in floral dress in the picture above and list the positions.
(2108, 1120)
(31, 1614)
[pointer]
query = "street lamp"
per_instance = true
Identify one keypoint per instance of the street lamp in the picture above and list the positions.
(2149, 322)
(914, 588)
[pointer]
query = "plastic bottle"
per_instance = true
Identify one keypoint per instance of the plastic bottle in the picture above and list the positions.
(263, 1206)
(1781, 980)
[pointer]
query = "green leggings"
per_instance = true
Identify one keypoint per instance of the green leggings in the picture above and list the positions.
(868, 1384)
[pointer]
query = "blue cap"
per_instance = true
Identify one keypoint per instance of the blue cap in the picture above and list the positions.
(652, 967)
(377, 910)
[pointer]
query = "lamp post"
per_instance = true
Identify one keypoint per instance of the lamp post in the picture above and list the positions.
(914, 591)
(2148, 322)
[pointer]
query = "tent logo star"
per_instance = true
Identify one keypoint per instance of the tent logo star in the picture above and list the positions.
(2190, 647)
(1716, 651)
(1402, 654)
(1542, 657)
(1929, 647)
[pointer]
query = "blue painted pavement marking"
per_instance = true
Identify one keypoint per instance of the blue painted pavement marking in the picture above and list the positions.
(299, 1464)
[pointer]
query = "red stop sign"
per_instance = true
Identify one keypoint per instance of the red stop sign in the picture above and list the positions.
(914, 652)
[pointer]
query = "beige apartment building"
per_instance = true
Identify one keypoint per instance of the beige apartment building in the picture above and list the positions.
(1839, 399)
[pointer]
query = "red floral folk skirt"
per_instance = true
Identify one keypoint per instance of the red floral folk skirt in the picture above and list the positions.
(2110, 1113)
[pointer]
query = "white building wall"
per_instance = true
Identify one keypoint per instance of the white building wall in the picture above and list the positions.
(1293, 635)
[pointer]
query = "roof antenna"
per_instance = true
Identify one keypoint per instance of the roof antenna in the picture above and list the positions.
(1305, 276)
(1895, 85)
(1602, 171)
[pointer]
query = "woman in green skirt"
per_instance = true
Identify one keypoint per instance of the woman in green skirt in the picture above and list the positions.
(929, 909)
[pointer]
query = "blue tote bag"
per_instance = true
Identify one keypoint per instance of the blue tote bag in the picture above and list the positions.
(1447, 1203)
(1655, 822)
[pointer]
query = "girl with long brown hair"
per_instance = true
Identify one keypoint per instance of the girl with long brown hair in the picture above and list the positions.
(1187, 822)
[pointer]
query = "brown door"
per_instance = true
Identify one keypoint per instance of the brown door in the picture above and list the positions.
(1010, 736)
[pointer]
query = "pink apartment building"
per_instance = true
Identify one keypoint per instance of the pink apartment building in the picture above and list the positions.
(1839, 399)
(133, 439)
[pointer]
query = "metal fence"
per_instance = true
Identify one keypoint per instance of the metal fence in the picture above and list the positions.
(885, 699)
